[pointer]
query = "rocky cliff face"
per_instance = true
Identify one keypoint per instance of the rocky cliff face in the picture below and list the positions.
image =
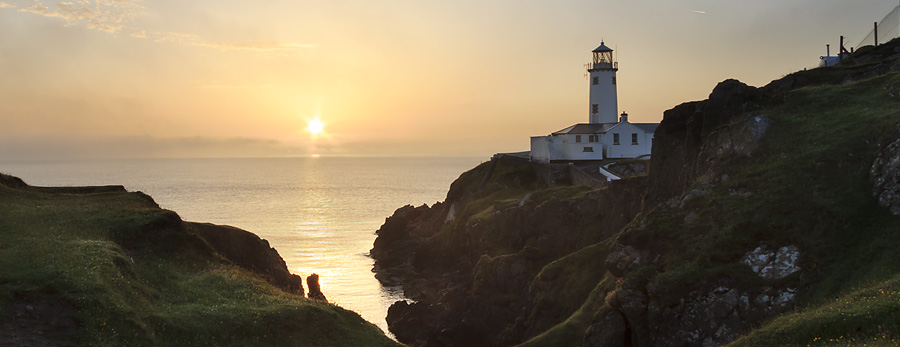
(750, 193)
(470, 274)
(250, 252)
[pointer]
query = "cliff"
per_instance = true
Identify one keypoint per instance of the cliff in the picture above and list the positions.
(767, 218)
(103, 266)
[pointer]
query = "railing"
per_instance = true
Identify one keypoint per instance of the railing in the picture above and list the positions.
(603, 66)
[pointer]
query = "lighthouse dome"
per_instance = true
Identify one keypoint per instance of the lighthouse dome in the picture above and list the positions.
(602, 48)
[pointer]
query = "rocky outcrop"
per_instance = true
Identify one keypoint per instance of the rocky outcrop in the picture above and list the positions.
(714, 317)
(48, 322)
(608, 328)
(773, 263)
(250, 252)
(689, 146)
(885, 177)
(315, 292)
(398, 238)
(711, 317)
(740, 138)
(621, 259)
(685, 134)
(471, 274)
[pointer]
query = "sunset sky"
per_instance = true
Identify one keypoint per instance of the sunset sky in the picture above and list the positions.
(226, 78)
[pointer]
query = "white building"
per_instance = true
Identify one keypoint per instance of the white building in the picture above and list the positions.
(606, 135)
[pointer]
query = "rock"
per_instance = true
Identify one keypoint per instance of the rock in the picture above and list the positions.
(398, 238)
(712, 318)
(607, 329)
(412, 323)
(315, 293)
(687, 130)
(621, 259)
(250, 252)
(728, 100)
(785, 297)
(773, 264)
(48, 322)
(461, 299)
(885, 177)
(741, 138)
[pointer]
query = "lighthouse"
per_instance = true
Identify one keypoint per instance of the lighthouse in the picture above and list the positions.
(605, 136)
(602, 69)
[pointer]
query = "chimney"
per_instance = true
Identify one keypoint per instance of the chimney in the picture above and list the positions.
(623, 118)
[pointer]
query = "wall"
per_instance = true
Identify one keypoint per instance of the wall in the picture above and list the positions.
(540, 149)
(625, 148)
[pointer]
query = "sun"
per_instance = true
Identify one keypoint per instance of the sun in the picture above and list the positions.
(315, 126)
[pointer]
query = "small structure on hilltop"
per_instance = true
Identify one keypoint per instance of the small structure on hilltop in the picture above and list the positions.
(607, 134)
(831, 60)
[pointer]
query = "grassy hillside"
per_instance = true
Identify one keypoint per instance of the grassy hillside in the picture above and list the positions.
(816, 193)
(111, 268)
(808, 185)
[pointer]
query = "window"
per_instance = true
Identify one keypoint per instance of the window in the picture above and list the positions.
(592, 138)
(614, 80)
(577, 138)
(595, 108)
(634, 138)
(595, 80)
(589, 149)
(615, 139)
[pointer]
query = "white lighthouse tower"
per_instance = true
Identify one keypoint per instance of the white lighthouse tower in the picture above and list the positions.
(604, 107)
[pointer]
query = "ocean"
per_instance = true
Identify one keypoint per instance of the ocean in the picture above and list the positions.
(321, 213)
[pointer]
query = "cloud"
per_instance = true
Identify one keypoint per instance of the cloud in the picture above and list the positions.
(103, 15)
(194, 40)
(113, 16)
(698, 11)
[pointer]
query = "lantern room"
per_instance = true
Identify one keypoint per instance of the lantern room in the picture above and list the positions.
(603, 58)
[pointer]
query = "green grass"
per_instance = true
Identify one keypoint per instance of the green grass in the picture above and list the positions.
(566, 294)
(570, 332)
(867, 316)
(135, 275)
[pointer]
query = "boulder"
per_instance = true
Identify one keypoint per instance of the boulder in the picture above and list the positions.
(315, 292)
(771, 263)
(885, 177)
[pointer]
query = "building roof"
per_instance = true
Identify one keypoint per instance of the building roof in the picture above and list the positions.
(600, 128)
(586, 128)
(602, 48)
(647, 127)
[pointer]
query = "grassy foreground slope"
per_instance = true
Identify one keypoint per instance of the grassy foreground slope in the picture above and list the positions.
(111, 268)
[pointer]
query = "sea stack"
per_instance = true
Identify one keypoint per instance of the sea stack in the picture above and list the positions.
(315, 293)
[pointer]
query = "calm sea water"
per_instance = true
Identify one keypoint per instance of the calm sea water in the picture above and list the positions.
(319, 213)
